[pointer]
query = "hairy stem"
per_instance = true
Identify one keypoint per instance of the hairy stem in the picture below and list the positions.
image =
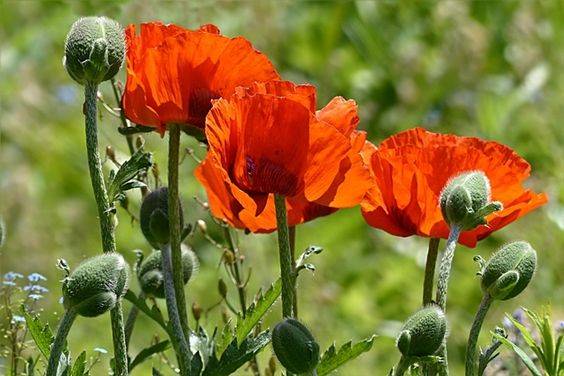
(402, 366)
(432, 253)
(286, 273)
(105, 215)
(59, 343)
(475, 333)
(179, 338)
(446, 265)
(292, 233)
(174, 222)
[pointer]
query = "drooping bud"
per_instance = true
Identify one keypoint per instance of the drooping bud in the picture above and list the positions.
(423, 332)
(150, 273)
(196, 311)
(94, 50)
(153, 217)
(96, 285)
(465, 200)
(509, 270)
(295, 346)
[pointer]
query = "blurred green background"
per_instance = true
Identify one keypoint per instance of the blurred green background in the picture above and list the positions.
(492, 69)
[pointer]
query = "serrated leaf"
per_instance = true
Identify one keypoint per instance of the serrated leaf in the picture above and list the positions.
(235, 356)
(256, 311)
(520, 353)
(138, 162)
(79, 365)
(225, 338)
(41, 333)
(331, 359)
(148, 352)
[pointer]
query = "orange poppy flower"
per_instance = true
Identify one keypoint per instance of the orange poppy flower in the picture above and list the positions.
(267, 139)
(412, 167)
(174, 73)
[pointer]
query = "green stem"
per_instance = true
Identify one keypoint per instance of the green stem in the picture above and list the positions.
(179, 338)
(174, 221)
(285, 256)
(131, 319)
(59, 343)
(432, 253)
(475, 333)
(292, 230)
(402, 366)
(446, 265)
(105, 215)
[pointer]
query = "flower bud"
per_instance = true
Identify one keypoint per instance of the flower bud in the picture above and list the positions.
(295, 347)
(96, 285)
(150, 273)
(94, 50)
(423, 332)
(465, 200)
(509, 270)
(154, 218)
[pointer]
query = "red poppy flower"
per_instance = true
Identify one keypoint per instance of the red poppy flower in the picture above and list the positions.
(412, 167)
(267, 139)
(174, 73)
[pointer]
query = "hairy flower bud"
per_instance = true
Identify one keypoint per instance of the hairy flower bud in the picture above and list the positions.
(150, 273)
(295, 347)
(423, 332)
(509, 270)
(465, 200)
(154, 218)
(96, 285)
(94, 50)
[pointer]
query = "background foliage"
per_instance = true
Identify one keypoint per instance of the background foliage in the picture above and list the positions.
(491, 69)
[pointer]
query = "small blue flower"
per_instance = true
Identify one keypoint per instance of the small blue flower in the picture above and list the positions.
(560, 328)
(8, 283)
(11, 276)
(101, 350)
(35, 296)
(18, 319)
(36, 277)
(36, 288)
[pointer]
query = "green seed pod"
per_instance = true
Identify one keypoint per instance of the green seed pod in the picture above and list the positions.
(94, 50)
(465, 200)
(295, 347)
(150, 273)
(154, 218)
(96, 284)
(423, 332)
(509, 270)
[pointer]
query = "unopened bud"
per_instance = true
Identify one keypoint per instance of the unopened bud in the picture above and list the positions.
(96, 285)
(423, 333)
(509, 270)
(465, 200)
(295, 346)
(153, 217)
(202, 226)
(196, 311)
(150, 273)
(94, 50)
(110, 153)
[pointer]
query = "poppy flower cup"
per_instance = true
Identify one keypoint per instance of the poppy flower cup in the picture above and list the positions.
(412, 167)
(268, 139)
(174, 73)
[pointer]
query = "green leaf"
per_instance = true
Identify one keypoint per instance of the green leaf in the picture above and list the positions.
(123, 179)
(153, 313)
(79, 365)
(235, 356)
(331, 359)
(520, 353)
(255, 312)
(148, 352)
(41, 333)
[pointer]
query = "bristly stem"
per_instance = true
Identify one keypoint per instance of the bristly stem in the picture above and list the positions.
(174, 224)
(471, 357)
(446, 265)
(59, 343)
(402, 366)
(432, 253)
(105, 215)
(179, 338)
(292, 231)
(285, 256)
